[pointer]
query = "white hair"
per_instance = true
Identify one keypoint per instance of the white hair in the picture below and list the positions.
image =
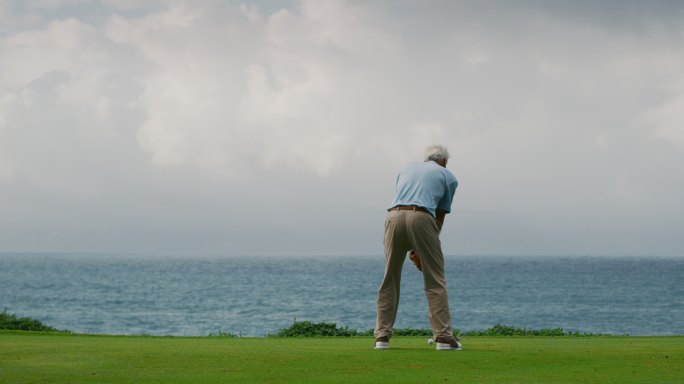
(436, 153)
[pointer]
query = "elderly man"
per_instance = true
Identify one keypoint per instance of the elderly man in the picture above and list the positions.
(424, 192)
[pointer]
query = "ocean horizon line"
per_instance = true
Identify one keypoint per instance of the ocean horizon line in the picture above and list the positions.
(320, 255)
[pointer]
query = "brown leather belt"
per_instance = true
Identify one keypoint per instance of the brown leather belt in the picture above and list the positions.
(408, 208)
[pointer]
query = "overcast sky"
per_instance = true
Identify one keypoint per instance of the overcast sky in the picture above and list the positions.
(277, 127)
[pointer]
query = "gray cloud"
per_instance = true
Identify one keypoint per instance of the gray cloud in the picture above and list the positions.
(277, 127)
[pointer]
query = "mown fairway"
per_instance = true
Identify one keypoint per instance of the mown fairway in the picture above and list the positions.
(52, 358)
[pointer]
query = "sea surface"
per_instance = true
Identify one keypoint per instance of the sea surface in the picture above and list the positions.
(257, 296)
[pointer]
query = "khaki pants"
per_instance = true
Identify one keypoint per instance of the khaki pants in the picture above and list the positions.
(406, 230)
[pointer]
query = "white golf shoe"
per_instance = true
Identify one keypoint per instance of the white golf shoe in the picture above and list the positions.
(382, 342)
(447, 344)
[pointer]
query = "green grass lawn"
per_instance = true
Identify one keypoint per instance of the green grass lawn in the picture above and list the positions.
(27, 357)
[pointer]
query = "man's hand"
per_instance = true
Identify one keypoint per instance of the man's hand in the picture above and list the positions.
(415, 259)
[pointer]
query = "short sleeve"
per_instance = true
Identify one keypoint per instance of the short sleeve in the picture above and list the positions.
(446, 200)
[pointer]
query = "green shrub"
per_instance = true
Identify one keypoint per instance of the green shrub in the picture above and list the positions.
(505, 330)
(221, 333)
(11, 321)
(309, 329)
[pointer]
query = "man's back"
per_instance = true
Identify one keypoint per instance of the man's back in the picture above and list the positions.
(425, 184)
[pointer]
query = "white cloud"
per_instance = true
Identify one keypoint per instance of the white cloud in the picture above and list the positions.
(62, 46)
(252, 12)
(66, 108)
(282, 96)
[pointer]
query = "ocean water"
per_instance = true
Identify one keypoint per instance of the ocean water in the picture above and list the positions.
(255, 296)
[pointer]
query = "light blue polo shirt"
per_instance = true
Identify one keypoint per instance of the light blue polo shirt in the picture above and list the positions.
(425, 184)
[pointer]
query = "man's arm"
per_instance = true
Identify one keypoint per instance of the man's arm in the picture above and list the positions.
(440, 214)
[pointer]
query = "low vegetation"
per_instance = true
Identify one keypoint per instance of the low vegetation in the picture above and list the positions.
(12, 322)
(309, 329)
